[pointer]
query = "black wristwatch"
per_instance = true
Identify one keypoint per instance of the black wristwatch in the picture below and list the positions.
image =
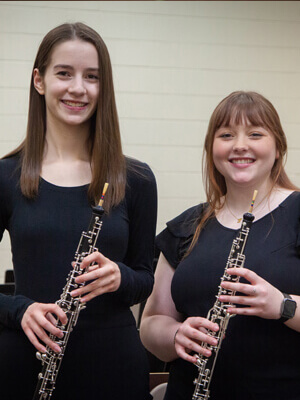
(288, 308)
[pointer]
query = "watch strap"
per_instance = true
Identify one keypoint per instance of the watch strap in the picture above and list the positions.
(284, 318)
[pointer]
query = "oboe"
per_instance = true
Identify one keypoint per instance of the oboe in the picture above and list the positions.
(51, 361)
(218, 313)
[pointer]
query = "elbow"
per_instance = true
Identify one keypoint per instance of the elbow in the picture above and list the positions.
(146, 335)
(152, 343)
(147, 289)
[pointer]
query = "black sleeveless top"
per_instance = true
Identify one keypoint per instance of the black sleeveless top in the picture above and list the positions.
(259, 358)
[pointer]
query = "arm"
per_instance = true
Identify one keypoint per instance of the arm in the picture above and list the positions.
(160, 320)
(262, 298)
(163, 331)
(21, 312)
(12, 309)
(137, 268)
(35, 319)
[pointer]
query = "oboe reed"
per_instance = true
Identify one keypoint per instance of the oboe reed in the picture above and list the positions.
(103, 193)
(253, 200)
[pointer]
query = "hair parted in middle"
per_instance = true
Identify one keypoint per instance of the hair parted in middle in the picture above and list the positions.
(106, 156)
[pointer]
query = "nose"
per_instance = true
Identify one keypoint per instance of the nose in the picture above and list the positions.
(240, 144)
(77, 86)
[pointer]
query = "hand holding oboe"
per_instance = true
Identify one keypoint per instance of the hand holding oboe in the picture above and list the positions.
(190, 336)
(38, 321)
(260, 297)
(104, 274)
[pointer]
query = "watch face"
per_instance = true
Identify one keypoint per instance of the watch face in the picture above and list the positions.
(289, 308)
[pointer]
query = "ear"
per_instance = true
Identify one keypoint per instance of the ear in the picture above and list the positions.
(38, 82)
(277, 154)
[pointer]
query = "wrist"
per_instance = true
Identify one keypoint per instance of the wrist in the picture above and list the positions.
(288, 308)
(175, 334)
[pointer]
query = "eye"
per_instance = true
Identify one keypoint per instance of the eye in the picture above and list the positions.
(225, 135)
(256, 135)
(63, 73)
(93, 77)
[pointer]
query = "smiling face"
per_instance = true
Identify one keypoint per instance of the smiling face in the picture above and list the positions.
(244, 154)
(70, 84)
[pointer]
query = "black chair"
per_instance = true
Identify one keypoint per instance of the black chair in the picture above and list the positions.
(9, 276)
(8, 287)
(158, 384)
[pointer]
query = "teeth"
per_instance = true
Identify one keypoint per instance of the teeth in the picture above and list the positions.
(74, 104)
(242, 161)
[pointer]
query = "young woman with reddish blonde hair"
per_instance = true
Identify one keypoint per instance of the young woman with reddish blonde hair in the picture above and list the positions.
(245, 148)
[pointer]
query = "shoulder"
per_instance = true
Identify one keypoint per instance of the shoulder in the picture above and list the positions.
(184, 224)
(138, 170)
(10, 162)
(139, 175)
(9, 185)
(288, 210)
(9, 168)
(295, 196)
(175, 239)
(141, 190)
(290, 199)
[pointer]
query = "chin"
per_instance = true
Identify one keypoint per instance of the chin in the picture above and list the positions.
(243, 182)
(76, 122)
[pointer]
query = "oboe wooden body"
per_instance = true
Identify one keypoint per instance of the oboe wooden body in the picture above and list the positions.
(218, 313)
(51, 361)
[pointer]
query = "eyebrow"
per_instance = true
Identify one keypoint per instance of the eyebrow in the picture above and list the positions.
(66, 66)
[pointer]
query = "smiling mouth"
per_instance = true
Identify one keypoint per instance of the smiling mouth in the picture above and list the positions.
(242, 160)
(74, 103)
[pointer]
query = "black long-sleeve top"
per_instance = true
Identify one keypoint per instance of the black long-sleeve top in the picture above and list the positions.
(45, 233)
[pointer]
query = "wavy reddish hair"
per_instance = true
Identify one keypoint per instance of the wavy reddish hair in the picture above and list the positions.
(234, 109)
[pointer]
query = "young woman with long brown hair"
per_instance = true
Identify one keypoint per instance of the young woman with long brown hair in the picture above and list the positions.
(245, 148)
(47, 187)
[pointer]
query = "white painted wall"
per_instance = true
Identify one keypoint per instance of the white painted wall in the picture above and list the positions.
(172, 62)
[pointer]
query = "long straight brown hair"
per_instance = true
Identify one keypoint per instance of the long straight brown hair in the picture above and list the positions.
(234, 109)
(106, 156)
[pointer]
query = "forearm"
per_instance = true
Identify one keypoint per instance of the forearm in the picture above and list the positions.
(136, 285)
(12, 309)
(137, 266)
(157, 334)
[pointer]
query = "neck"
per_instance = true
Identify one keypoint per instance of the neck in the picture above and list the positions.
(69, 143)
(239, 198)
(238, 201)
